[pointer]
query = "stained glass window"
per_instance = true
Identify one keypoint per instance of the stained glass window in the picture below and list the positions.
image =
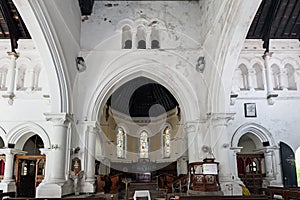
(167, 142)
(121, 140)
(144, 145)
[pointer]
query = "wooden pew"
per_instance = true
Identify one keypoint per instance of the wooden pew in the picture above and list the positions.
(291, 194)
(237, 197)
(285, 192)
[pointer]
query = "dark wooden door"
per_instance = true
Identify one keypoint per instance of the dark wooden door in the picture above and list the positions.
(26, 178)
(288, 165)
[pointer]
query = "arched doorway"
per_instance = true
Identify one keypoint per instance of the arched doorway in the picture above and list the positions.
(251, 162)
(298, 165)
(2, 160)
(288, 165)
(30, 168)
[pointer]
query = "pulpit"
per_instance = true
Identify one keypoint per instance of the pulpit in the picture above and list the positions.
(204, 176)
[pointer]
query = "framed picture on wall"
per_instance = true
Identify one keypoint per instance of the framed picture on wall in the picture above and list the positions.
(250, 109)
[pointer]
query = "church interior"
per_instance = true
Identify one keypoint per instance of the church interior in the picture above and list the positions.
(195, 99)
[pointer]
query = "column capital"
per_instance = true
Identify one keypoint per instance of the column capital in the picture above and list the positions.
(268, 149)
(11, 152)
(90, 123)
(92, 129)
(190, 127)
(251, 71)
(220, 119)
(45, 151)
(267, 55)
(236, 149)
(59, 118)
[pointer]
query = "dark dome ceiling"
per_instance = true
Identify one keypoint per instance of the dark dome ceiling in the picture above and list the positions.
(142, 97)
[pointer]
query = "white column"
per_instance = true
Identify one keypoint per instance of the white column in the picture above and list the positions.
(55, 157)
(58, 142)
(36, 79)
(8, 184)
(267, 56)
(89, 186)
(270, 91)
(190, 130)
(268, 153)
(235, 187)
(221, 142)
(47, 153)
(220, 145)
(284, 79)
(31, 76)
(235, 151)
(11, 75)
(251, 75)
(134, 41)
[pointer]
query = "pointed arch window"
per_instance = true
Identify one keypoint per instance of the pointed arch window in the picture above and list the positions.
(154, 38)
(277, 82)
(144, 145)
(291, 82)
(241, 78)
(21, 78)
(141, 37)
(121, 141)
(166, 142)
(126, 37)
(3, 75)
(259, 80)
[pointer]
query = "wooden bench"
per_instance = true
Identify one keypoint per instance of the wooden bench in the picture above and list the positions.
(251, 197)
(285, 192)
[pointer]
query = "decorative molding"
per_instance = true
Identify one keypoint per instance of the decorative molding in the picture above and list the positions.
(259, 131)
(220, 119)
(21, 130)
(59, 118)
(51, 39)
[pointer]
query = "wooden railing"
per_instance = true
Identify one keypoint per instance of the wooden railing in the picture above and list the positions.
(180, 184)
(286, 192)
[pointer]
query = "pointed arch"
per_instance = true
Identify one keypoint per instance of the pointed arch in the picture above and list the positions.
(4, 66)
(22, 132)
(144, 144)
(154, 37)
(121, 142)
(3, 136)
(126, 37)
(180, 89)
(141, 37)
(257, 130)
(166, 140)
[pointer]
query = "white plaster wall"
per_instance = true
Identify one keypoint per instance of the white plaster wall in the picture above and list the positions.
(176, 59)
(281, 120)
(105, 23)
(65, 17)
(25, 114)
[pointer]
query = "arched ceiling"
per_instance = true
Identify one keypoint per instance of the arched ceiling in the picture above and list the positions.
(142, 97)
(11, 24)
(275, 19)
